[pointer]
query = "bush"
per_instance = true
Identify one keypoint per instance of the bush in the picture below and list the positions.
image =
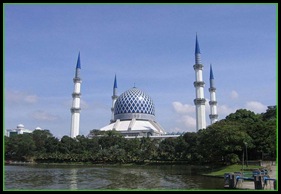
(232, 158)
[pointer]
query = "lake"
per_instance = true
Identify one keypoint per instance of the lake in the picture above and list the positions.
(85, 177)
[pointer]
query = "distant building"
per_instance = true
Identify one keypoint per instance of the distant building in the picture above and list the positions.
(19, 130)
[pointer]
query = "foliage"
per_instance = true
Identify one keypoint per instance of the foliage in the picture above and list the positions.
(221, 139)
(270, 113)
(19, 147)
(224, 142)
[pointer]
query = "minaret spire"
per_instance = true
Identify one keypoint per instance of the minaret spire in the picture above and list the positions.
(213, 103)
(197, 48)
(114, 98)
(78, 67)
(115, 83)
(197, 52)
(75, 110)
(211, 75)
(199, 84)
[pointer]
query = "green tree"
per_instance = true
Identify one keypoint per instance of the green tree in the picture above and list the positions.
(192, 154)
(111, 138)
(148, 149)
(20, 147)
(52, 145)
(131, 148)
(67, 145)
(221, 140)
(167, 149)
(40, 137)
(270, 113)
(260, 127)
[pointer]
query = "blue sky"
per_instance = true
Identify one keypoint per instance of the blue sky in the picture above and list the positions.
(149, 45)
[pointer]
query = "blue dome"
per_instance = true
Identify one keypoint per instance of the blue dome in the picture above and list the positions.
(134, 103)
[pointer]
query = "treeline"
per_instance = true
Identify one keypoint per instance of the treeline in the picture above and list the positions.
(222, 142)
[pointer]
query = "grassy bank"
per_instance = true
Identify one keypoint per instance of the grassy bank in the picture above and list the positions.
(219, 172)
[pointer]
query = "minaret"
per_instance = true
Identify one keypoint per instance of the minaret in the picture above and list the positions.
(75, 110)
(114, 98)
(213, 103)
(199, 101)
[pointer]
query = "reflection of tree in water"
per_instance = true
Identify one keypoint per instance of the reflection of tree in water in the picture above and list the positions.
(157, 177)
(133, 178)
(24, 177)
(150, 178)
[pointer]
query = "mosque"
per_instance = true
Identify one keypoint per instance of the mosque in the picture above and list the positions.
(133, 112)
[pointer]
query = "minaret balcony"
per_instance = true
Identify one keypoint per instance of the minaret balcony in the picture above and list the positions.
(212, 89)
(114, 97)
(198, 67)
(75, 110)
(198, 84)
(77, 80)
(213, 116)
(76, 95)
(199, 101)
(213, 103)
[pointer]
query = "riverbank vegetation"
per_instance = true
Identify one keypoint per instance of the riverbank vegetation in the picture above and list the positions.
(219, 172)
(241, 135)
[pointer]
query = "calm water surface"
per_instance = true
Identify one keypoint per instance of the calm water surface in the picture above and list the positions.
(54, 177)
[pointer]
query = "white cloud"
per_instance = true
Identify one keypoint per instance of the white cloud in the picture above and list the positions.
(234, 94)
(256, 107)
(19, 97)
(31, 99)
(225, 110)
(43, 116)
(183, 108)
(176, 129)
(188, 121)
(185, 117)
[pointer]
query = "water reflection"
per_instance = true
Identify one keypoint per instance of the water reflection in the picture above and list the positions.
(48, 177)
(73, 178)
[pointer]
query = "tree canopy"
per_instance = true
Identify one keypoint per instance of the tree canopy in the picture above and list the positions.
(223, 142)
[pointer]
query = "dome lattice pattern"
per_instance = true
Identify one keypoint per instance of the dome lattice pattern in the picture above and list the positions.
(134, 101)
